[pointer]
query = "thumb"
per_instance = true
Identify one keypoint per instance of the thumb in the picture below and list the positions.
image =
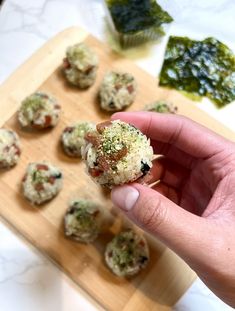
(180, 230)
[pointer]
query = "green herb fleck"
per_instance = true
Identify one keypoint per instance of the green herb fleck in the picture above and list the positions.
(124, 250)
(85, 219)
(205, 68)
(33, 103)
(39, 177)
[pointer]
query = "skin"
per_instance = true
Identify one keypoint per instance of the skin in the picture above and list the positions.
(192, 206)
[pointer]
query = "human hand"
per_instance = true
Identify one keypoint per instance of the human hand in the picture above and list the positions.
(192, 208)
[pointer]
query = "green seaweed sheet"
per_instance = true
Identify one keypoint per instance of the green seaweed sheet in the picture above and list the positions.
(131, 16)
(204, 68)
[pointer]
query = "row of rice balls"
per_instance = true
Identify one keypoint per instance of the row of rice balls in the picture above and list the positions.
(100, 147)
(41, 111)
(118, 89)
(126, 254)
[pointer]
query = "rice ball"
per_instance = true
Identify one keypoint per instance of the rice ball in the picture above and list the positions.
(83, 221)
(162, 107)
(39, 111)
(80, 65)
(42, 182)
(117, 91)
(72, 138)
(127, 254)
(117, 153)
(10, 149)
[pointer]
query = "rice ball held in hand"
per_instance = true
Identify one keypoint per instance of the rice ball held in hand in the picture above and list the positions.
(42, 182)
(117, 91)
(72, 138)
(80, 65)
(39, 111)
(117, 153)
(127, 254)
(9, 148)
(83, 220)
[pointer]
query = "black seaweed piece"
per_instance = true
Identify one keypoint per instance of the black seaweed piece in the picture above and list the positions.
(144, 168)
(143, 259)
(58, 175)
(72, 210)
(111, 105)
(204, 68)
(131, 16)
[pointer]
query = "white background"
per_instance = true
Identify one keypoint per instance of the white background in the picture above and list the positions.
(28, 280)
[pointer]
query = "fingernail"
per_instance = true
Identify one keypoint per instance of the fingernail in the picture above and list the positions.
(125, 197)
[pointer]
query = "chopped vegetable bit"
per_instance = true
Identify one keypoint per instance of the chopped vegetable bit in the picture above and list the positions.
(39, 177)
(205, 68)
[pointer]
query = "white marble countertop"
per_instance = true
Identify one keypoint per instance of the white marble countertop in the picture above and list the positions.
(28, 280)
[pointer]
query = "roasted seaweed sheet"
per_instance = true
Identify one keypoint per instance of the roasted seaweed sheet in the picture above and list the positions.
(204, 68)
(131, 16)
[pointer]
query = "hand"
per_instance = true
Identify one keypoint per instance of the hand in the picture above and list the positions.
(192, 207)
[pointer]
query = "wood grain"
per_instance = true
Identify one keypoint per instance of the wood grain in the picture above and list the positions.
(167, 277)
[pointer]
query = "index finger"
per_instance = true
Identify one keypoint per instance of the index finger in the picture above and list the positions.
(181, 132)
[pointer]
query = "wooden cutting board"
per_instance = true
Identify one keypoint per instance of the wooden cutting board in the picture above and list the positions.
(167, 276)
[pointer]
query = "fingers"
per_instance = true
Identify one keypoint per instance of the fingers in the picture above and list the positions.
(168, 191)
(168, 172)
(189, 204)
(173, 153)
(176, 130)
(178, 229)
